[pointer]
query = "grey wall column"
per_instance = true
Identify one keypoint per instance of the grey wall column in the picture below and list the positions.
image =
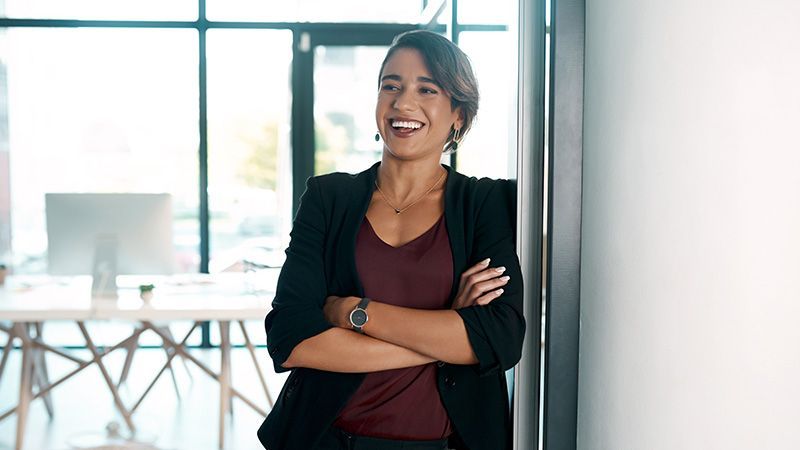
(562, 324)
(530, 176)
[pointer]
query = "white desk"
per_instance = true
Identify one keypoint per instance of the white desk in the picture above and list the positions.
(27, 302)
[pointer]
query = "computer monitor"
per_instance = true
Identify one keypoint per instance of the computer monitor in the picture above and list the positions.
(109, 234)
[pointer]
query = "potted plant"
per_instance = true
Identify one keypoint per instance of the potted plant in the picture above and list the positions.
(146, 292)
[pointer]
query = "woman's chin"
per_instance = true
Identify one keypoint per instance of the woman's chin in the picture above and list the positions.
(410, 153)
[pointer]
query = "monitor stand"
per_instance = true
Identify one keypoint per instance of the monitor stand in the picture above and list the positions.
(104, 269)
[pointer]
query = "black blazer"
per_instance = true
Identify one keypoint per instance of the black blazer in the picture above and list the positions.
(480, 217)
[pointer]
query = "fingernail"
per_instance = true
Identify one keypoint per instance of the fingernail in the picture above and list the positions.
(500, 269)
(499, 291)
(505, 278)
(486, 261)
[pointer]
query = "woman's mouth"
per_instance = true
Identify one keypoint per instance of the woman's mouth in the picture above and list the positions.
(404, 128)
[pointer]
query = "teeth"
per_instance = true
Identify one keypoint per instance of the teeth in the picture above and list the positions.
(406, 124)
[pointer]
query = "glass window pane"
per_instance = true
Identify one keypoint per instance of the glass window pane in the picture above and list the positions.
(249, 151)
(120, 116)
(499, 12)
(345, 92)
(315, 11)
(490, 147)
(100, 9)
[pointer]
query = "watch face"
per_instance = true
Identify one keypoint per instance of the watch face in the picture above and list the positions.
(358, 317)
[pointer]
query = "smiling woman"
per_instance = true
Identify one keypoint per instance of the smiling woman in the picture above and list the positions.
(399, 306)
(412, 104)
(443, 72)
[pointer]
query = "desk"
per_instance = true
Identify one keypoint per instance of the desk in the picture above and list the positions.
(27, 302)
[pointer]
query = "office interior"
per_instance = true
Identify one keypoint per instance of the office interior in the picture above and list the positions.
(182, 134)
(657, 210)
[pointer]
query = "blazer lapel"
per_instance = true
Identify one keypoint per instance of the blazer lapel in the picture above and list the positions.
(453, 216)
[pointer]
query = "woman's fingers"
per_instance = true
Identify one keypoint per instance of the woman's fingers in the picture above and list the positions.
(480, 285)
(473, 270)
(477, 267)
(484, 281)
(487, 298)
(483, 275)
(481, 293)
(487, 291)
(489, 285)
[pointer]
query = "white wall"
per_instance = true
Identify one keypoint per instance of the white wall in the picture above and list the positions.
(690, 290)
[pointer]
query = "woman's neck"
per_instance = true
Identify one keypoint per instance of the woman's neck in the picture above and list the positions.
(408, 179)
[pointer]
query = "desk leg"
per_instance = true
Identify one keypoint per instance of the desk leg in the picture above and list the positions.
(6, 350)
(252, 351)
(97, 360)
(26, 374)
(224, 377)
(168, 332)
(41, 377)
(130, 349)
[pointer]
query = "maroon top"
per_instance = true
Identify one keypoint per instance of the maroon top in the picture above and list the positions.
(402, 403)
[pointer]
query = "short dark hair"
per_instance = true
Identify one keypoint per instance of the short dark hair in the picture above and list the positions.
(451, 69)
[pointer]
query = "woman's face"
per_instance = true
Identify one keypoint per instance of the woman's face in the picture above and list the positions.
(413, 112)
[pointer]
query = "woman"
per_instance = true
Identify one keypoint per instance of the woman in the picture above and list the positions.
(399, 306)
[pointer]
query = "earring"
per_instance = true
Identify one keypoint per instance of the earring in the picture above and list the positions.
(454, 144)
(377, 137)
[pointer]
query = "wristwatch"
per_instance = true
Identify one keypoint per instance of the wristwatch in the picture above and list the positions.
(359, 316)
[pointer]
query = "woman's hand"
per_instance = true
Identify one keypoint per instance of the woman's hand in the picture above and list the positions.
(479, 285)
(337, 310)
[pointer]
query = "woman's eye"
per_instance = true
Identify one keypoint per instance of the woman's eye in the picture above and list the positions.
(428, 91)
(389, 87)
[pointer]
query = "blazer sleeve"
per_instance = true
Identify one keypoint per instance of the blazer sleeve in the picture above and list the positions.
(496, 331)
(296, 313)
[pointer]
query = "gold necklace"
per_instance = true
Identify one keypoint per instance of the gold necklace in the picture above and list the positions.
(400, 210)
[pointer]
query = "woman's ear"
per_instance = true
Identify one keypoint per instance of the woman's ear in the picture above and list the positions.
(459, 123)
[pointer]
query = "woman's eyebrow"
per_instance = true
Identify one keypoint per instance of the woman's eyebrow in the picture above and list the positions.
(394, 77)
(428, 80)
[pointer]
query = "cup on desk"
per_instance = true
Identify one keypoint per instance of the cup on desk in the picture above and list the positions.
(3, 272)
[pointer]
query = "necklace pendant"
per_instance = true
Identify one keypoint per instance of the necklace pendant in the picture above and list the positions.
(397, 211)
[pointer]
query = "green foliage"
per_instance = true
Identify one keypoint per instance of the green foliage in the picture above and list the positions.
(332, 142)
(259, 169)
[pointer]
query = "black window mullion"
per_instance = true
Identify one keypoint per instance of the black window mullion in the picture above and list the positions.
(454, 32)
(302, 126)
(202, 28)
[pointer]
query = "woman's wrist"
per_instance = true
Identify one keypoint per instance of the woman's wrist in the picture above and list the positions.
(348, 305)
(337, 310)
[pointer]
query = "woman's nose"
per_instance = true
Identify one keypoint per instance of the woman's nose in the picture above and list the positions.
(404, 101)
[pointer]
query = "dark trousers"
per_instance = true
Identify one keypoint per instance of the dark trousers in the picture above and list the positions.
(336, 439)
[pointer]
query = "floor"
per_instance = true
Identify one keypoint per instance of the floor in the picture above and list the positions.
(84, 407)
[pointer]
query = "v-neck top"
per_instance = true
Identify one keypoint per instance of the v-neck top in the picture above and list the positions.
(402, 403)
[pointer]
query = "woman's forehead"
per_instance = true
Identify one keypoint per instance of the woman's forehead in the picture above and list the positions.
(405, 63)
